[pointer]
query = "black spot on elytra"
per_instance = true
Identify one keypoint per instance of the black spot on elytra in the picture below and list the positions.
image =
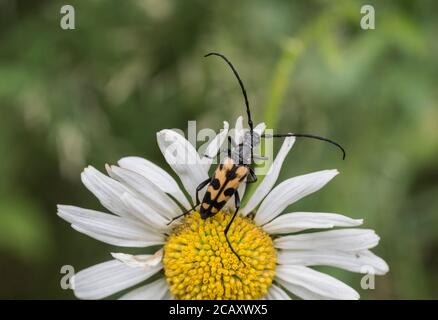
(229, 192)
(231, 175)
(207, 197)
(215, 184)
(204, 212)
(219, 205)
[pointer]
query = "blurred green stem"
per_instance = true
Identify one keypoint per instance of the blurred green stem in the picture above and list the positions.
(280, 80)
(279, 83)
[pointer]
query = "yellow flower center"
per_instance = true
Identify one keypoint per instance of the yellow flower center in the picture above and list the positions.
(199, 264)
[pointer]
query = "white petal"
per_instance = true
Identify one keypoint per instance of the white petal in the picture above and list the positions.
(271, 177)
(153, 197)
(156, 290)
(156, 175)
(344, 240)
(238, 130)
(140, 260)
(298, 221)
(168, 296)
(183, 159)
(109, 228)
(260, 128)
(107, 190)
(310, 284)
(290, 191)
(276, 293)
(116, 241)
(362, 262)
(214, 146)
(145, 213)
(107, 278)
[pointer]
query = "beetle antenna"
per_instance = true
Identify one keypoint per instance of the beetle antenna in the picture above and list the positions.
(303, 135)
(248, 111)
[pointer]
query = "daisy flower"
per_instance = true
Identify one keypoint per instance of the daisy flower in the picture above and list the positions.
(194, 260)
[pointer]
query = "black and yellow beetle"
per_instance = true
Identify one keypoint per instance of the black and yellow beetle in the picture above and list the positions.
(236, 167)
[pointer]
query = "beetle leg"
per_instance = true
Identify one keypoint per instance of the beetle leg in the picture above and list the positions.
(230, 143)
(251, 176)
(237, 203)
(198, 189)
(219, 153)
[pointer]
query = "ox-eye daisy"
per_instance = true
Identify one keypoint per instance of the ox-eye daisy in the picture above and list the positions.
(195, 261)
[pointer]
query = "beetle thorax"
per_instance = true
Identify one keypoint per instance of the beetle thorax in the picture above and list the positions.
(241, 154)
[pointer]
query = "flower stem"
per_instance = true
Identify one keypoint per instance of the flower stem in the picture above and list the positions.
(279, 83)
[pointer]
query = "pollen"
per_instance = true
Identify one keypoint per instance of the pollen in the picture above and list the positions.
(199, 264)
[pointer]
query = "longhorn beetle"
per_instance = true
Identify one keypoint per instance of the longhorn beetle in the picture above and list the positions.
(236, 167)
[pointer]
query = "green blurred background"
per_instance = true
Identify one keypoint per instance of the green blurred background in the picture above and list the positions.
(69, 98)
